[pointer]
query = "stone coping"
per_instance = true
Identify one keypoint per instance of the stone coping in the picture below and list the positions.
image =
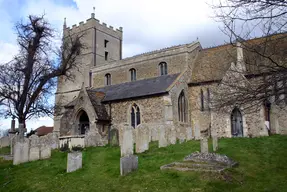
(72, 136)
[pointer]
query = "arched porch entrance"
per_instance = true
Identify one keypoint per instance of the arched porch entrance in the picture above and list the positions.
(84, 123)
(236, 123)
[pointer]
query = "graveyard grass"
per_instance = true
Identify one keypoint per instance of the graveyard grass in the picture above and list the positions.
(262, 167)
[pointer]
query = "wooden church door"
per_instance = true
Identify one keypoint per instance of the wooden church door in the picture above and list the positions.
(236, 123)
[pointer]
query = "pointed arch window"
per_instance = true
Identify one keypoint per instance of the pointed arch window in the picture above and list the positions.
(182, 108)
(108, 79)
(201, 100)
(133, 74)
(135, 116)
(163, 68)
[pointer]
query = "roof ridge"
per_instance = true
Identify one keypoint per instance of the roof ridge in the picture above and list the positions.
(159, 50)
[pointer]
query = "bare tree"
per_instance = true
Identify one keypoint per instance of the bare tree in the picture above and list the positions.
(264, 58)
(29, 79)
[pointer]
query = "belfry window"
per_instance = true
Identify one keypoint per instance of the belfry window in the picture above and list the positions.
(163, 68)
(133, 74)
(135, 116)
(182, 109)
(108, 79)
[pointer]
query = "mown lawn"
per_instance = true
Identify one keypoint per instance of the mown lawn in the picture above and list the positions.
(262, 167)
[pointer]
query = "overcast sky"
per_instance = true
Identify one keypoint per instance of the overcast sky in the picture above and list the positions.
(147, 25)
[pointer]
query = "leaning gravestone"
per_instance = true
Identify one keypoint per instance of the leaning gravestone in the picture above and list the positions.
(114, 137)
(74, 161)
(142, 138)
(21, 152)
(128, 161)
(34, 151)
(215, 143)
(204, 145)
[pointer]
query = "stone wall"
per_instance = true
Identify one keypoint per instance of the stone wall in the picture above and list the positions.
(4, 141)
(145, 68)
(151, 110)
(199, 119)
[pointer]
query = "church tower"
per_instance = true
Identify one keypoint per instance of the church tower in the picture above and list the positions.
(103, 44)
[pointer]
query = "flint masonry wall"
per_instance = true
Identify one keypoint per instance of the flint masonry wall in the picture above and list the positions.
(199, 118)
(151, 109)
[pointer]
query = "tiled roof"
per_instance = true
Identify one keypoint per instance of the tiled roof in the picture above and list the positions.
(212, 63)
(96, 98)
(140, 88)
(43, 130)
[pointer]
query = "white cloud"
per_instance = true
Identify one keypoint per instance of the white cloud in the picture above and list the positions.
(148, 24)
(8, 50)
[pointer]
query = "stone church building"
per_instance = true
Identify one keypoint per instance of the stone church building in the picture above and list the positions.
(167, 87)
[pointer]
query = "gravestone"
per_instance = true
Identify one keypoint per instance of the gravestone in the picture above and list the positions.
(204, 145)
(21, 152)
(127, 147)
(215, 143)
(114, 137)
(154, 132)
(189, 134)
(171, 135)
(34, 152)
(128, 164)
(128, 161)
(142, 138)
(162, 137)
(197, 131)
(45, 152)
(74, 161)
(181, 138)
(93, 138)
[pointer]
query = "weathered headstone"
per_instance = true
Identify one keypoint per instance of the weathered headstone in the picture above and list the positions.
(114, 137)
(142, 138)
(215, 143)
(128, 164)
(162, 137)
(127, 147)
(171, 134)
(53, 140)
(189, 134)
(93, 138)
(45, 152)
(154, 132)
(34, 151)
(204, 145)
(197, 131)
(21, 152)
(181, 138)
(74, 161)
(128, 161)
